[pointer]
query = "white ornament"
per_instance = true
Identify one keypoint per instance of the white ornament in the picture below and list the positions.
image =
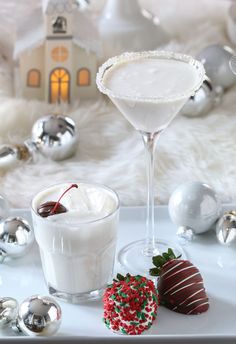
(194, 206)
(216, 60)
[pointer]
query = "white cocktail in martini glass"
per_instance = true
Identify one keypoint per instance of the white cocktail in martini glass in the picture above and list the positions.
(149, 88)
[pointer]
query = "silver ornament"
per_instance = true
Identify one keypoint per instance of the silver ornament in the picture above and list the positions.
(55, 136)
(4, 208)
(39, 316)
(10, 155)
(30, 149)
(194, 206)
(16, 236)
(216, 62)
(206, 97)
(8, 311)
(226, 228)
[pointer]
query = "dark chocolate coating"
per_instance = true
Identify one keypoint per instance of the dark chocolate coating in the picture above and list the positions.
(181, 288)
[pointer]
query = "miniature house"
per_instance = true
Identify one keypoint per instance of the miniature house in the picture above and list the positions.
(56, 52)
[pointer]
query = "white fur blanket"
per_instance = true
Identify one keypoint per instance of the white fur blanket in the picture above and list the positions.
(109, 149)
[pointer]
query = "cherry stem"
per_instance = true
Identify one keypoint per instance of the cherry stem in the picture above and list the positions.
(57, 204)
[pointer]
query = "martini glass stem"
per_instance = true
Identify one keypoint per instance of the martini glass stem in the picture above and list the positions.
(150, 140)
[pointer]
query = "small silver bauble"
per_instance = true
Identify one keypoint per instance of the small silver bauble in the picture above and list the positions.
(206, 97)
(10, 155)
(4, 207)
(216, 62)
(16, 236)
(8, 311)
(194, 206)
(39, 316)
(55, 136)
(226, 228)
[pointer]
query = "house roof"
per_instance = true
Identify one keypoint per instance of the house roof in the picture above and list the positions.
(49, 6)
(32, 34)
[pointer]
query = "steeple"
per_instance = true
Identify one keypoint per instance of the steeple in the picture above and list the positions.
(58, 17)
(58, 6)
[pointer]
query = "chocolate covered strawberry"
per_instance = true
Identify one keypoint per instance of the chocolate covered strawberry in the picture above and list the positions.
(180, 284)
(130, 304)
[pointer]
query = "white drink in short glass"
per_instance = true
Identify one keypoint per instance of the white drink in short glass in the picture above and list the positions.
(77, 247)
(149, 88)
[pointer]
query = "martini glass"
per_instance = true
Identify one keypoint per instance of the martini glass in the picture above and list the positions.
(149, 88)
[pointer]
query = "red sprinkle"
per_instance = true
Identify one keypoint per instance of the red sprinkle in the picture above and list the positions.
(130, 305)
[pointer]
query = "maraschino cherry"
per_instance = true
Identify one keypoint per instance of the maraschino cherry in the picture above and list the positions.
(52, 208)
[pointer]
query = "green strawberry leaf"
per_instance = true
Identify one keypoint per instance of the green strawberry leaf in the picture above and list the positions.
(120, 277)
(154, 271)
(158, 261)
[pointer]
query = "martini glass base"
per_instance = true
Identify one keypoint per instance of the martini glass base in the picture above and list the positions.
(133, 260)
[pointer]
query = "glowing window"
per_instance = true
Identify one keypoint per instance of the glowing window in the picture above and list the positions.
(59, 54)
(59, 86)
(83, 77)
(33, 78)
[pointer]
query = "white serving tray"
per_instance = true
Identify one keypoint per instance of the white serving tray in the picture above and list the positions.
(83, 323)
